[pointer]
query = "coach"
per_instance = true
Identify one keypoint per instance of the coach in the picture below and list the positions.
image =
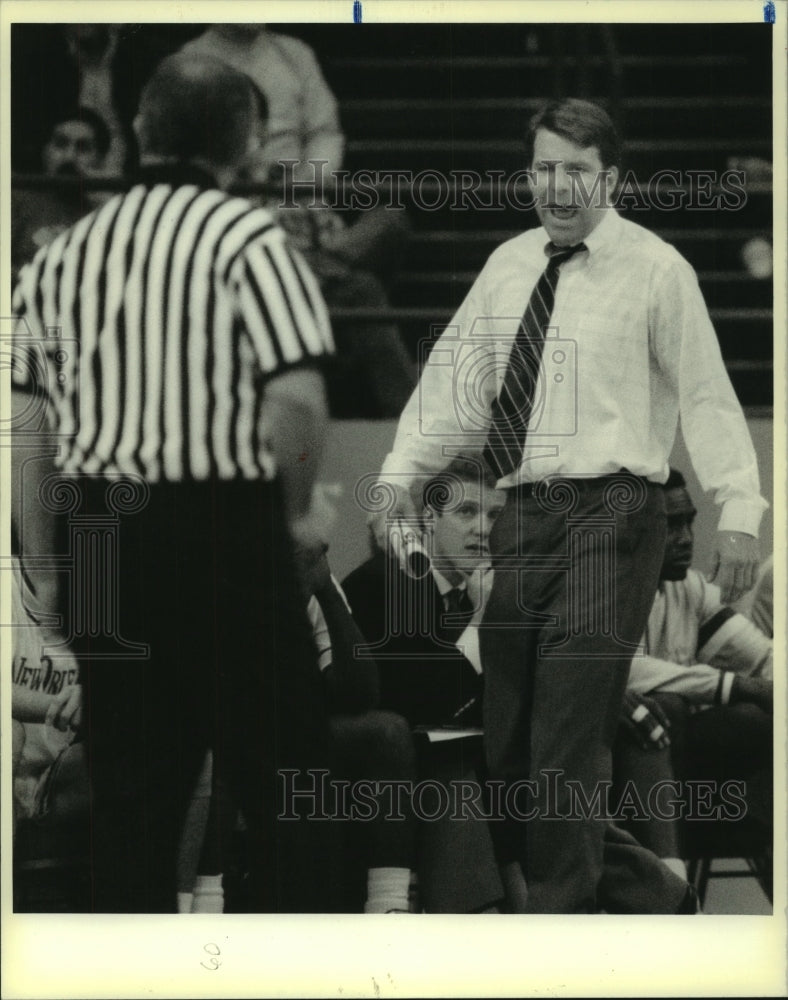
(571, 359)
(186, 399)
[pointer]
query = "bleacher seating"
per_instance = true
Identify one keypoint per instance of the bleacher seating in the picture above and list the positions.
(457, 97)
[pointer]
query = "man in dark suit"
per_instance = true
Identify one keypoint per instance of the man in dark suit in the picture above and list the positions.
(414, 619)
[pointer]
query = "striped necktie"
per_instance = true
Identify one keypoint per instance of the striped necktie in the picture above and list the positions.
(512, 409)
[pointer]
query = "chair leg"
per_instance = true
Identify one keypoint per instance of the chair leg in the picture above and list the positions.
(698, 872)
(761, 867)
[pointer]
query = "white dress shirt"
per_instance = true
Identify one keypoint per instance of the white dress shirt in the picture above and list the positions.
(630, 346)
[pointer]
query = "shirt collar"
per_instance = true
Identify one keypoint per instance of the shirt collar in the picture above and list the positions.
(443, 584)
(175, 174)
(605, 234)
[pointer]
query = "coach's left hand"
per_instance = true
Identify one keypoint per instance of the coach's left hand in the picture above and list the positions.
(734, 564)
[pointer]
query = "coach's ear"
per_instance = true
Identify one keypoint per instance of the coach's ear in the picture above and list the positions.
(611, 180)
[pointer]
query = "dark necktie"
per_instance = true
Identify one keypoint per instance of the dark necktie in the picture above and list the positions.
(512, 409)
(458, 603)
(466, 710)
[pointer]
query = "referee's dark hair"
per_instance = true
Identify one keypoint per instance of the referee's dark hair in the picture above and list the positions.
(580, 122)
(196, 107)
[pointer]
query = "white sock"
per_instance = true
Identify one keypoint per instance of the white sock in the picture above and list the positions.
(387, 889)
(208, 894)
(677, 866)
(185, 902)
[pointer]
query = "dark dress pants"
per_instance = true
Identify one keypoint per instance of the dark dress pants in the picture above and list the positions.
(204, 579)
(576, 570)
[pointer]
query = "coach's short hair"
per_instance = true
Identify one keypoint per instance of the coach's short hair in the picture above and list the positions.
(90, 118)
(581, 122)
(196, 107)
(440, 491)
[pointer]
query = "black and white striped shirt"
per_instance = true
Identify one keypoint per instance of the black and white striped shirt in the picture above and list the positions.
(152, 326)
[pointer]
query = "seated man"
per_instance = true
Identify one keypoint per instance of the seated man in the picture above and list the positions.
(416, 627)
(76, 147)
(711, 671)
(414, 620)
(369, 745)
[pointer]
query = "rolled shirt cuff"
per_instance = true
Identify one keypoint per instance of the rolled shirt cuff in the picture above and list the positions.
(742, 515)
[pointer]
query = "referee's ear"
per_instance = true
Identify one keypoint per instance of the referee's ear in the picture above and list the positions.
(136, 126)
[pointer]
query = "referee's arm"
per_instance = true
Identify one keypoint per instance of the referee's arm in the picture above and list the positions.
(295, 416)
(282, 309)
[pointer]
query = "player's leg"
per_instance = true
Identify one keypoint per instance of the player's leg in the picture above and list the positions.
(377, 747)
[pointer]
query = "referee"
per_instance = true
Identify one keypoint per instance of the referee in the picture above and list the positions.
(187, 404)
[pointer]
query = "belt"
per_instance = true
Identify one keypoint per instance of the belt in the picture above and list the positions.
(581, 483)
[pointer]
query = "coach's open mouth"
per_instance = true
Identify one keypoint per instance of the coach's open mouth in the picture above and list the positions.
(477, 550)
(562, 211)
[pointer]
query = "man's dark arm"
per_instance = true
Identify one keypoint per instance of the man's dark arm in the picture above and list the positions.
(353, 683)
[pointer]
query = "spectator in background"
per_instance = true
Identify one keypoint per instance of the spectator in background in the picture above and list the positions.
(373, 374)
(56, 67)
(92, 49)
(76, 147)
(303, 122)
